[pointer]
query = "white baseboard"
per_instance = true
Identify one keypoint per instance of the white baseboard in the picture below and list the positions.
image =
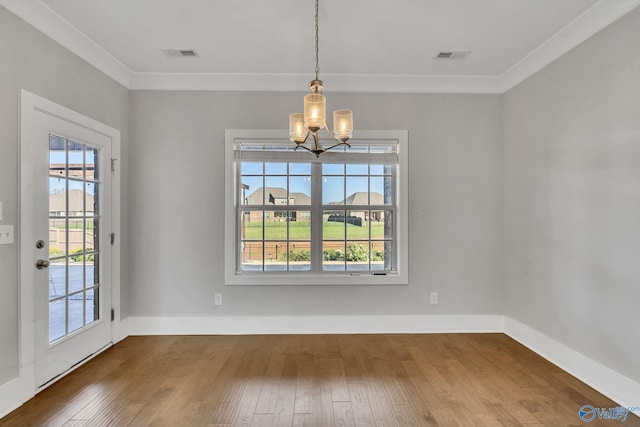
(615, 386)
(14, 393)
(366, 324)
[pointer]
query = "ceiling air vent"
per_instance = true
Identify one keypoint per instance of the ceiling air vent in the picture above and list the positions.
(452, 54)
(180, 53)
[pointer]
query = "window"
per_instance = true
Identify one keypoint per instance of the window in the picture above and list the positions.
(292, 218)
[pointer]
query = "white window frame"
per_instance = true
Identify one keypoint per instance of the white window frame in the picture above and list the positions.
(400, 276)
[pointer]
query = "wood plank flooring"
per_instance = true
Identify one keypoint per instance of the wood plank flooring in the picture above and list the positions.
(315, 380)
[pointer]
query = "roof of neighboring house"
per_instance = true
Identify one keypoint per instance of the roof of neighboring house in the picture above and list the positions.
(256, 197)
(57, 202)
(361, 198)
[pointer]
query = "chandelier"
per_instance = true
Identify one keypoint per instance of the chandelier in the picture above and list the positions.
(301, 125)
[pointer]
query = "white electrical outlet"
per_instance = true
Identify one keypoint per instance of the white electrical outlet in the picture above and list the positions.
(6, 234)
(434, 297)
(218, 298)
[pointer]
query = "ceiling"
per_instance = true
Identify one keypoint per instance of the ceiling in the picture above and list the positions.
(365, 45)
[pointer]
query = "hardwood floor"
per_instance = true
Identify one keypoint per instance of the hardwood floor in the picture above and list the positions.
(315, 380)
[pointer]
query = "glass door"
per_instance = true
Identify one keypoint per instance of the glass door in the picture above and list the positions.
(74, 237)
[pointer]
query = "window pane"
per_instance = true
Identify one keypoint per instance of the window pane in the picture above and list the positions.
(251, 225)
(300, 190)
(275, 227)
(332, 190)
(376, 169)
(275, 192)
(357, 225)
(275, 168)
(76, 311)
(333, 169)
(275, 256)
(357, 190)
(251, 253)
(299, 225)
(333, 227)
(251, 168)
(333, 256)
(357, 256)
(299, 168)
(381, 190)
(357, 169)
(378, 253)
(381, 224)
(251, 191)
(300, 256)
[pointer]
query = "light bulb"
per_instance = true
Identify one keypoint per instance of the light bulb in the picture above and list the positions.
(343, 125)
(314, 113)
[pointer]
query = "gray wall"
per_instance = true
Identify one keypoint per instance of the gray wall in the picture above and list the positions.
(33, 62)
(572, 198)
(177, 204)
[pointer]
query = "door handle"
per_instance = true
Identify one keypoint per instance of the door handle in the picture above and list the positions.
(42, 263)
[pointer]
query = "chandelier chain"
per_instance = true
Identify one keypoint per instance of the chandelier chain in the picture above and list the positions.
(317, 39)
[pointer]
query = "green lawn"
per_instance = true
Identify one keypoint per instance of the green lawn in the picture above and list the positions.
(300, 230)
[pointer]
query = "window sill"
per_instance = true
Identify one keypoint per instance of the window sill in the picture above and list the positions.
(310, 279)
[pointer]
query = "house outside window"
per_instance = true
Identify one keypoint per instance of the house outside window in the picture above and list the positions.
(294, 219)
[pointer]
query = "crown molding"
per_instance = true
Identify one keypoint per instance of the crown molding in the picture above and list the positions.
(298, 82)
(591, 21)
(57, 28)
(587, 24)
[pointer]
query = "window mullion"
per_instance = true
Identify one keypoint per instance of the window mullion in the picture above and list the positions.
(316, 217)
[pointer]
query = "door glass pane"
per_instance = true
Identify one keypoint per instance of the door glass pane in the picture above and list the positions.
(90, 272)
(76, 274)
(57, 278)
(92, 312)
(57, 319)
(57, 237)
(76, 311)
(91, 206)
(73, 234)
(91, 162)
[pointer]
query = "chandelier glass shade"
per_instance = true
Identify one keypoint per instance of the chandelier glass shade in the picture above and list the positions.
(314, 117)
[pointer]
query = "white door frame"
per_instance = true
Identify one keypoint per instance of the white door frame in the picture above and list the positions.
(31, 106)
